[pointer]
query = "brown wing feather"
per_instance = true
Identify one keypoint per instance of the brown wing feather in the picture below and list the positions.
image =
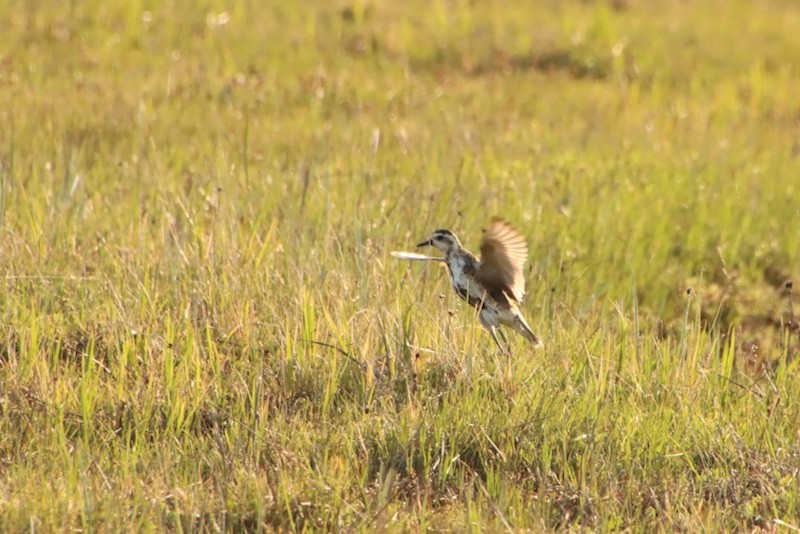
(503, 256)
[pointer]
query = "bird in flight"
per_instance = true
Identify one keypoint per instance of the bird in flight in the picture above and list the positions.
(494, 284)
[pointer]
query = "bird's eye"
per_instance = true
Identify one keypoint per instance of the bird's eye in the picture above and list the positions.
(438, 238)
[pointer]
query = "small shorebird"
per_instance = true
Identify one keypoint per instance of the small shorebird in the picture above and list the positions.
(494, 284)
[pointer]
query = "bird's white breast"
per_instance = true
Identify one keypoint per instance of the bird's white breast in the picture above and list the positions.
(458, 265)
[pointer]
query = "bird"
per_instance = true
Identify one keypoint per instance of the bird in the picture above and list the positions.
(493, 284)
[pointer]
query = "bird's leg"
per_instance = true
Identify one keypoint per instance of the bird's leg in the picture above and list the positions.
(502, 335)
(493, 330)
(505, 340)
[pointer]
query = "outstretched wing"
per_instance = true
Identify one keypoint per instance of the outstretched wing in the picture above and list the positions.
(413, 256)
(503, 256)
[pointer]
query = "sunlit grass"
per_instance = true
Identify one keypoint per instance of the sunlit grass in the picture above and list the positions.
(203, 328)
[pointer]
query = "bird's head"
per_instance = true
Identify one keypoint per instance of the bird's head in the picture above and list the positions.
(444, 240)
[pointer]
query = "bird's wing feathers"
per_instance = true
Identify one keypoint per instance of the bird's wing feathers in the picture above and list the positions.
(413, 256)
(503, 256)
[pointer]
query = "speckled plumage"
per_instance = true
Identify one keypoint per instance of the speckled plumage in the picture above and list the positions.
(493, 284)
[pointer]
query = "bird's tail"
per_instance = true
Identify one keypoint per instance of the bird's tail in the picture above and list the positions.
(522, 328)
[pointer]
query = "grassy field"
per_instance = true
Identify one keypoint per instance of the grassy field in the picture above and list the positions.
(202, 328)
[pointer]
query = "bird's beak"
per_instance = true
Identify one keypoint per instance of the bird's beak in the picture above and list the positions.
(424, 243)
